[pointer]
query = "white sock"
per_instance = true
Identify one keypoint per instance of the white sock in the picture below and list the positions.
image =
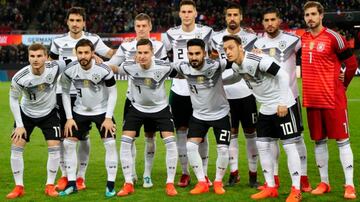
(251, 150)
(171, 158)
(126, 158)
(133, 155)
(83, 155)
(62, 160)
(195, 160)
(233, 153)
(347, 160)
(322, 160)
(204, 154)
(266, 161)
(111, 158)
(222, 161)
(150, 148)
(275, 150)
(294, 163)
(181, 145)
(301, 147)
(17, 164)
(53, 163)
(70, 159)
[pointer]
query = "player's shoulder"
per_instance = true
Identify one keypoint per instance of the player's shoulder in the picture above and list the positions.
(52, 64)
(129, 45)
(22, 73)
(290, 35)
(71, 65)
(104, 66)
(61, 37)
(88, 34)
(156, 42)
(219, 35)
(246, 32)
(173, 30)
(161, 62)
(333, 34)
(211, 62)
(255, 57)
(129, 63)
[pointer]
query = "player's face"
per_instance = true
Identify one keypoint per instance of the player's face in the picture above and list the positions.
(37, 58)
(75, 23)
(187, 15)
(84, 55)
(142, 29)
(271, 23)
(143, 56)
(312, 17)
(233, 50)
(196, 56)
(233, 18)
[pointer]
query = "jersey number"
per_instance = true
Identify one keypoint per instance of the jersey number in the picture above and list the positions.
(79, 92)
(310, 57)
(57, 131)
(193, 89)
(32, 96)
(138, 87)
(224, 136)
(180, 54)
(287, 128)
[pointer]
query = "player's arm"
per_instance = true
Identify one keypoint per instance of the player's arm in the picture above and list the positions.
(15, 93)
(108, 124)
(116, 60)
(349, 59)
(54, 51)
(65, 82)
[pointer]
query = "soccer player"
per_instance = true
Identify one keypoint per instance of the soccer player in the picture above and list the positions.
(242, 102)
(175, 42)
(323, 51)
(95, 103)
(62, 48)
(278, 114)
(149, 104)
(205, 83)
(35, 85)
(126, 51)
(283, 47)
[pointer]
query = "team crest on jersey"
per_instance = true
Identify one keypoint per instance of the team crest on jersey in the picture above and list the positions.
(320, 47)
(209, 72)
(200, 79)
(198, 35)
(244, 41)
(282, 45)
(96, 77)
(272, 52)
(157, 75)
(49, 78)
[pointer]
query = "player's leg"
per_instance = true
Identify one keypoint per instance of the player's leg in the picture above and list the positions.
(149, 152)
(83, 154)
(197, 131)
(62, 182)
(222, 134)
(181, 109)
(234, 142)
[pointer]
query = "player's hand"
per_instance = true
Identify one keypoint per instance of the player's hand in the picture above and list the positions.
(98, 59)
(282, 110)
(249, 29)
(109, 127)
(342, 76)
(17, 134)
(257, 51)
(70, 123)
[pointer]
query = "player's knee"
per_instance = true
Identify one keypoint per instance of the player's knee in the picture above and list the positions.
(19, 143)
(181, 128)
(234, 131)
(53, 143)
(293, 140)
(320, 142)
(192, 146)
(223, 150)
(343, 142)
(149, 134)
(250, 131)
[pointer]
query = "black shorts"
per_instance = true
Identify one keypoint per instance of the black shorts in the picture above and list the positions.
(49, 125)
(61, 109)
(161, 120)
(243, 110)
(298, 106)
(279, 127)
(199, 128)
(181, 109)
(148, 126)
(84, 125)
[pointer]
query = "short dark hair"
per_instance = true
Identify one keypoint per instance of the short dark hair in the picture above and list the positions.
(76, 10)
(142, 42)
(196, 42)
(270, 10)
(233, 6)
(37, 46)
(143, 16)
(315, 4)
(85, 42)
(187, 2)
(232, 37)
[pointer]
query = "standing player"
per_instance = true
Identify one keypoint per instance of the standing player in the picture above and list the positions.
(175, 42)
(95, 103)
(63, 48)
(323, 51)
(278, 114)
(283, 47)
(149, 104)
(205, 83)
(127, 51)
(35, 83)
(242, 102)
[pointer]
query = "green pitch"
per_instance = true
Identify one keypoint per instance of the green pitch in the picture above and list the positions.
(35, 158)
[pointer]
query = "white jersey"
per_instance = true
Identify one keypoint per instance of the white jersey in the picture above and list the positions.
(64, 47)
(92, 93)
(175, 39)
(37, 91)
(283, 49)
(259, 73)
(147, 90)
(206, 89)
(239, 89)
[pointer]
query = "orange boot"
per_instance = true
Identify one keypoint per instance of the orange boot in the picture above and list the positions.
(61, 183)
(200, 187)
(349, 192)
(51, 191)
(170, 189)
(80, 183)
(127, 189)
(294, 196)
(267, 192)
(18, 191)
(322, 188)
(219, 187)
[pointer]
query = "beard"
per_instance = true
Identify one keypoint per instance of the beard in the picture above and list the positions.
(233, 25)
(196, 64)
(313, 25)
(84, 62)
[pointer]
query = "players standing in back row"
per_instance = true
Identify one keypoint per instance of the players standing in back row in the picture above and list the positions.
(62, 48)
(175, 42)
(242, 102)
